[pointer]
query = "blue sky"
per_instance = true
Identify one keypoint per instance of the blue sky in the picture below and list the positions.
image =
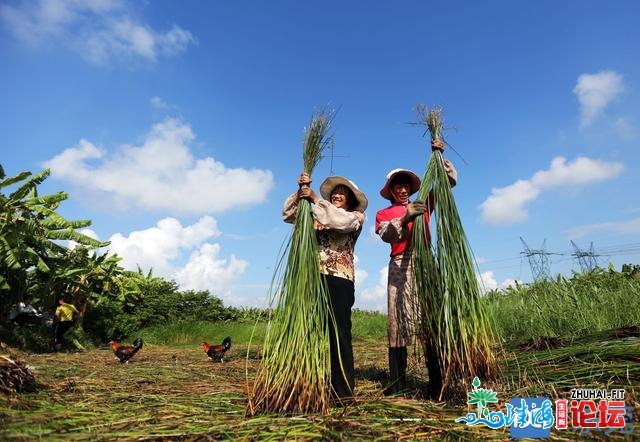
(176, 127)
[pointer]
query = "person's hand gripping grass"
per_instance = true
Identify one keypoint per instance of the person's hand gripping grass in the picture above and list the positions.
(306, 192)
(414, 210)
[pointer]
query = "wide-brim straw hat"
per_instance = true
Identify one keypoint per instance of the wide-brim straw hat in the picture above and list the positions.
(331, 182)
(385, 192)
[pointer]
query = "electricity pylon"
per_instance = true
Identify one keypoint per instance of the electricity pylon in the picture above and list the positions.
(587, 259)
(538, 260)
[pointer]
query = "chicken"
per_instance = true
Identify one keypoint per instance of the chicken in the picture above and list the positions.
(126, 352)
(216, 352)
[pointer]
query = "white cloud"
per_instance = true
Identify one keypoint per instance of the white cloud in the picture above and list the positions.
(158, 103)
(595, 92)
(374, 298)
(175, 41)
(206, 271)
(361, 275)
(98, 29)
(506, 205)
(631, 227)
(161, 174)
(625, 130)
(488, 282)
(510, 283)
(161, 248)
(157, 247)
(581, 171)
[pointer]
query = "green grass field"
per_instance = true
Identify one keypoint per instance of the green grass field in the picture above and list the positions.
(171, 391)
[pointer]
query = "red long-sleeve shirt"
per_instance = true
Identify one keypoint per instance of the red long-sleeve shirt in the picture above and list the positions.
(391, 229)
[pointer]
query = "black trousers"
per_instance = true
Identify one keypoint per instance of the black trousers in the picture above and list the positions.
(59, 331)
(342, 294)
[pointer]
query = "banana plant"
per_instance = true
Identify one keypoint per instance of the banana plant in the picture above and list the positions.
(32, 235)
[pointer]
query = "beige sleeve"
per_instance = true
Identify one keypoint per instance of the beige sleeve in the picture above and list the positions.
(290, 209)
(337, 219)
(452, 173)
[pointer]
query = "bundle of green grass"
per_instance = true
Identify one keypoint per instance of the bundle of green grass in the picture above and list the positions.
(294, 375)
(455, 330)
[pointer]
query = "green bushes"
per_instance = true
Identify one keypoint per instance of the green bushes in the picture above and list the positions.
(192, 333)
(161, 303)
(567, 307)
(366, 325)
(108, 321)
(34, 338)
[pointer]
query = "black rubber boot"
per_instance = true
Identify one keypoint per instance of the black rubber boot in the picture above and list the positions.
(397, 371)
(434, 386)
(402, 364)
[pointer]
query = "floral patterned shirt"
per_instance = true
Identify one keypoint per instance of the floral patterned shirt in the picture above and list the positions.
(337, 231)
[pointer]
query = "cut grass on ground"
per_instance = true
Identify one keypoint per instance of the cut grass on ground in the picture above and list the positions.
(175, 392)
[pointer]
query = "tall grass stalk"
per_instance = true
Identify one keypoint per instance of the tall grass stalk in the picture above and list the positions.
(295, 373)
(455, 329)
(567, 308)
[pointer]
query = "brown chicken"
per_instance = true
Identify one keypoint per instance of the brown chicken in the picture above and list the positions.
(126, 352)
(216, 352)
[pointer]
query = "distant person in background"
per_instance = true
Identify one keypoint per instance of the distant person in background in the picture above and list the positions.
(65, 316)
(24, 313)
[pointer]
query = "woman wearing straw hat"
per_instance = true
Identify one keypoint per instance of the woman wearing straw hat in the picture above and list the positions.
(338, 216)
(394, 225)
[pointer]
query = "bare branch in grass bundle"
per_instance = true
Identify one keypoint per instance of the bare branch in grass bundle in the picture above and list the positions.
(432, 119)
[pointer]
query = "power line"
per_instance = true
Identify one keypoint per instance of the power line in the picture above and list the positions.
(628, 249)
(621, 249)
(540, 261)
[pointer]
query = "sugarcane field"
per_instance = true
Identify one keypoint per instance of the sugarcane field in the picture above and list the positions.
(336, 221)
